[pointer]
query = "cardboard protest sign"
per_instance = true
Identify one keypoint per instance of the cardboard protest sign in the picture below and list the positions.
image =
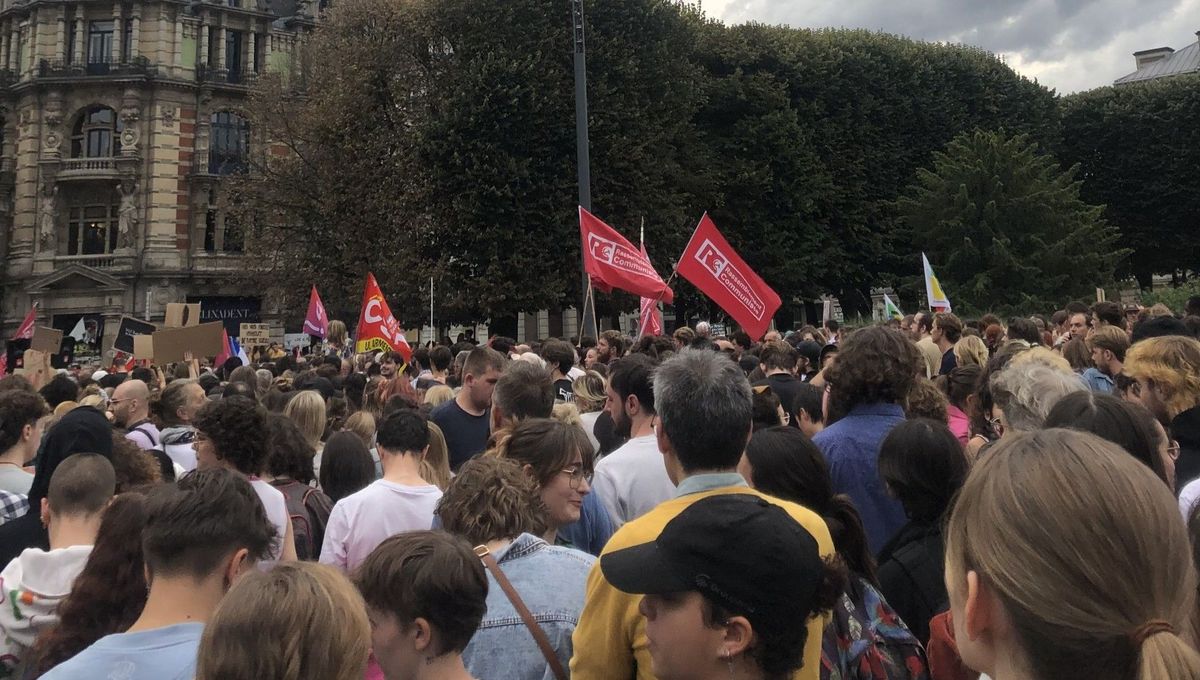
(204, 340)
(143, 347)
(46, 340)
(182, 315)
(129, 329)
(254, 334)
(36, 367)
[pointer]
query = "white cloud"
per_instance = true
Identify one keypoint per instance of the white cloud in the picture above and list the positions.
(1069, 45)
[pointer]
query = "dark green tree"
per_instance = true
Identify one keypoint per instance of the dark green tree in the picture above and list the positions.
(1138, 150)
(1005, 226)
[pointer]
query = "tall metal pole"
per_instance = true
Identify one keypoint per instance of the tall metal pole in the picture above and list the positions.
(587, 307)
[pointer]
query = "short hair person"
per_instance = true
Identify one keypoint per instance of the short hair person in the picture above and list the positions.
(21, 416)
(201, 535)
(1167, 371)
(703, 402)
(426, 593)
(729, 586)
(465, 420)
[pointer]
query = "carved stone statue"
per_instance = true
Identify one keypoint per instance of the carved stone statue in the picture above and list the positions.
(127, 217)
(48, 226)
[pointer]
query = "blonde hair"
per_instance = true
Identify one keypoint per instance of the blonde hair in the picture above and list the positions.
(300, 620)
(588, 390)
(567, 413)
(337, 333)
(307, 410)
(435, 466)
(1172, 363)
(438, 394)
(362, 423)
(1083, 545)
(971, 351)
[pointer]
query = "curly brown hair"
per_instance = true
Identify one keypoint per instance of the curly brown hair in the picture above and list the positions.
(108, 595)
(135, 468)
(874, 365)
(491, 498)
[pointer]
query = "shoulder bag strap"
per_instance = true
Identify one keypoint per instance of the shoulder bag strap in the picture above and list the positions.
(539, 635)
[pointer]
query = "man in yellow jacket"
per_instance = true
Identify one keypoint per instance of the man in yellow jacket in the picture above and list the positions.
(704, 410)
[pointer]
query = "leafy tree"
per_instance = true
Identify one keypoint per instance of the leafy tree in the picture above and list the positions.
(1006, 227)
(1138, 149)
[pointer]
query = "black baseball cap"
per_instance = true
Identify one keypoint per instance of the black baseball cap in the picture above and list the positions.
(809, 349)
(739, 550)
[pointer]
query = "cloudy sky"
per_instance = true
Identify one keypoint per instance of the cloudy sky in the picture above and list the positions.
(1069, 45)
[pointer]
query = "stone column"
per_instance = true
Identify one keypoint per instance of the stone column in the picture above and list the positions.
(133, 36)
(204, 44)
(220, 47)
(118, 34)
(31, 63)
(3, 48)
(60, 38)
(252, 41)
(80, 36)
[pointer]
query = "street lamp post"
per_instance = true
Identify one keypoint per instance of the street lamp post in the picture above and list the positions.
(587, 308)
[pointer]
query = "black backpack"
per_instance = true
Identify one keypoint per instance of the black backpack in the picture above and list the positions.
(309, 509)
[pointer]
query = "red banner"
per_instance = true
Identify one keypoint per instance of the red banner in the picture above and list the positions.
(650, 320)
(613, 262)
(316, 322)
(377, 328)
(715, 268)
(25, 330)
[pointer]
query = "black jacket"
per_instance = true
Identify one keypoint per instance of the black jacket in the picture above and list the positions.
(911, 575)
(83, 430)
(1185, 429)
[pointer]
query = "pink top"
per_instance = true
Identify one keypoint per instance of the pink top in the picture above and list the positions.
(361, 521)
(959, 423)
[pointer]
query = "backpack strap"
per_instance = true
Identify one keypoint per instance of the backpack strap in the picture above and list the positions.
(153, 444)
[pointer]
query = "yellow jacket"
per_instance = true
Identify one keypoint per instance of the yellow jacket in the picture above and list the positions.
(610, 638)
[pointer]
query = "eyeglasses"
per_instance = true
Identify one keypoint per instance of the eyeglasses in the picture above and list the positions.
(578, 475)
(997, 426)
(1173, 450)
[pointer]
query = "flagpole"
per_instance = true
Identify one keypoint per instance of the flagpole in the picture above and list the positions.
(432, 328)
(583, 155)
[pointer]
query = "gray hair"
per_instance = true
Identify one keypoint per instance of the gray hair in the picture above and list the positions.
(703, 329)
(1027, 391)
(265, 378)
(704, 405)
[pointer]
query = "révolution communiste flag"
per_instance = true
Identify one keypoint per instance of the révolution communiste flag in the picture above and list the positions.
(938, 301)
(316, 322)
(715, 268)
(377, 328)
(650, 321)
(612, 262)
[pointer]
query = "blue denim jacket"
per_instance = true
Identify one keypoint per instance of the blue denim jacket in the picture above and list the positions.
(551, 580)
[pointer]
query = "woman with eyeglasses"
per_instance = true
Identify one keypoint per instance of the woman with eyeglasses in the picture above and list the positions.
(558, 458)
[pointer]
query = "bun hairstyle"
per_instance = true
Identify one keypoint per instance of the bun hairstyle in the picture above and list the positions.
(1084, 547)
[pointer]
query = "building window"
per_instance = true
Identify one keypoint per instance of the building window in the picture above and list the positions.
(100, 42)
(222, 232)
(92, 230)
(214, 44)
(69, 57)
(260, 46)
(233, 54)
(97, 134)
(230, 149)
(127, 42)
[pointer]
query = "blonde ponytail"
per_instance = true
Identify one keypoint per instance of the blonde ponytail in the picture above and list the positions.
(1166, 656)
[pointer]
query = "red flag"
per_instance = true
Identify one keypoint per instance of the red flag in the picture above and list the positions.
(316, 322)
(226, 352)
(25, 330)
(650, 322)
(613, 262)
(714, 267)
(377, 328)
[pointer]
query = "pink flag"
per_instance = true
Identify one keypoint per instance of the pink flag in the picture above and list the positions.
(651, 321)
(316, 322)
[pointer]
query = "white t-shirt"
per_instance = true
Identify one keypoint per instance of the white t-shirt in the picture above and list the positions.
(361, 521)
(276, 507)
(588, 422)
(632, 480)
(1188, 497)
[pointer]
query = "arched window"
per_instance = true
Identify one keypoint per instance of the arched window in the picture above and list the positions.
(229, 150)
(97, 134)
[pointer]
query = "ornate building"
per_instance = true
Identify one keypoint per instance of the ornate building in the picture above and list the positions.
(119, 122)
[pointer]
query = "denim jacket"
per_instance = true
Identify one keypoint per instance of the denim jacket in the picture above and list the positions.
(551, 580)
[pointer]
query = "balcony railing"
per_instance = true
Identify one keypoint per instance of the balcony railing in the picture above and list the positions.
(94, 261)
(88, 168)
(210, 74)
(59, 68)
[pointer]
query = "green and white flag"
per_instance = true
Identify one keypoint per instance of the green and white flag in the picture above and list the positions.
(890, 308)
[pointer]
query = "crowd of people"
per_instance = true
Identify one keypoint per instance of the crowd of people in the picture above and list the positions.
(926, 498)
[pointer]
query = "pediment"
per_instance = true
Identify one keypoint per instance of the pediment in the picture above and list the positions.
(78, 277)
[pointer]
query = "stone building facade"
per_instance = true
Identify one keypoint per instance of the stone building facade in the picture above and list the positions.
(120, 122)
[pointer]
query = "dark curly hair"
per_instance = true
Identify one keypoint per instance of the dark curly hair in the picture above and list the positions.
(874, 365)
(108, 595)
(237, 428)
(289, 454)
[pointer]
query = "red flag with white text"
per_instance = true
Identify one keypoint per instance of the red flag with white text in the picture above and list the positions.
(612, 262)
(316, 322)
(377, 328)
(25, 330)
(714, 267)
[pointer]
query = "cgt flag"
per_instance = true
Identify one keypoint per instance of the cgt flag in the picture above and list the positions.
(316, 322)
(714, 267)
(938, 301)
(377, 328)
(612, 262)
